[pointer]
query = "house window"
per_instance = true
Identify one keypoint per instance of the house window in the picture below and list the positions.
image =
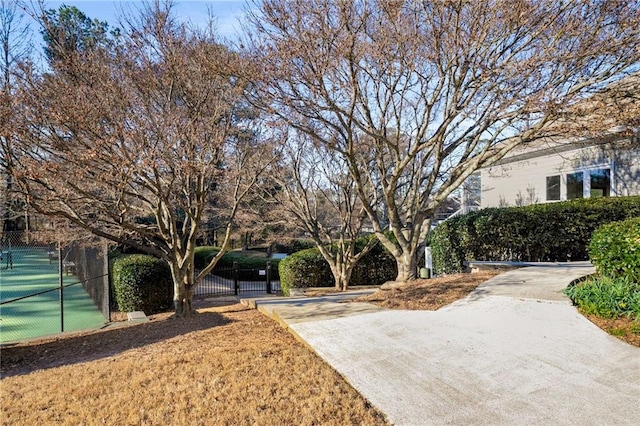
(575, 185)
(600, 183)
(589, 183)
(553, 188)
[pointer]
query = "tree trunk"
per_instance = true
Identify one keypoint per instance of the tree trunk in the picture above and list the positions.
(183, 303)
(407, 267)
(341, 276)
(404, 249)
(183, 292)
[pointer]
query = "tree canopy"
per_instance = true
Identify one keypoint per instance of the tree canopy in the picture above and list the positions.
(416, 96)
(67, 31)
(147, 137)
(141, 133)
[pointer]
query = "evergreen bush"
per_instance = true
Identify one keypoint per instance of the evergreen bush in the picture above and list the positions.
(142, 283)
(245, 261)
(249, 264)
(556, 232)
(307, 268)
(293, 246)
(615, 250)
(203, 256)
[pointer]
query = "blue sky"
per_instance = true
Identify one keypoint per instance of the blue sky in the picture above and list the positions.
(227, 12)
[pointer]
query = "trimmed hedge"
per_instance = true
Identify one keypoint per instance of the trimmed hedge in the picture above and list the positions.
(203, 256)
(615, 250)
(294, 246)
(556, 232)
(142, 283)
(245, 261)
(307, 268)
(248, 265)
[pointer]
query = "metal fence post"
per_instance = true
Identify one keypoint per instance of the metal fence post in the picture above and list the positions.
(106, 281)
(235, 278)
(61, 282)
(269, 277)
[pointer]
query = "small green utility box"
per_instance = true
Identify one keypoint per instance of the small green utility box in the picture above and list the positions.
(425, 273)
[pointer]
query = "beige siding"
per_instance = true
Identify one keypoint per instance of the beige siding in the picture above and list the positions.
(526, 179)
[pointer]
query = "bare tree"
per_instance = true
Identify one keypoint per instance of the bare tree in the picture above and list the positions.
(614, 109)
(136, 140)
(416, 96)
(317, 192)
(15, 40)
(15, 46)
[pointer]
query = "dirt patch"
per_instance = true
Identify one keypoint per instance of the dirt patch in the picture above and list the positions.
(624, 328)
(226, 365)
(431, 294)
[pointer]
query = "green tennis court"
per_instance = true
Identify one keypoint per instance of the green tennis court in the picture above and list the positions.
(33, 272)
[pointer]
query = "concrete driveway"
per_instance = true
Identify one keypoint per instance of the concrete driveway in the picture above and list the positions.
(513, 352)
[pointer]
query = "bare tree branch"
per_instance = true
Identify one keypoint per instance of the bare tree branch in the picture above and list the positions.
(318, 192)
(138, 139)
(416, 96)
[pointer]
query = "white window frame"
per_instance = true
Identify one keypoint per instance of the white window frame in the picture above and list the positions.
(586, 180)
(561, 184)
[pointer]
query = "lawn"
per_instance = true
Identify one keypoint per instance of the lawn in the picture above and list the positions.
(227, 365)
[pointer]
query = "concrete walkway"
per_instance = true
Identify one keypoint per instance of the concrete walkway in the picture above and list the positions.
(513, 352)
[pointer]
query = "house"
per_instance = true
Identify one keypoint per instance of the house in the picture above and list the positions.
(563, 170)
(604, 162)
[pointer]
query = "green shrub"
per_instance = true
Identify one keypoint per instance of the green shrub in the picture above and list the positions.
(307, 268)
(615, 250)
(375, 268)
(556, 232)
(203, 256)
(293, 246)
(245, 260)
(142, 283)
(446, 248)
(249, 263)
(607, 297)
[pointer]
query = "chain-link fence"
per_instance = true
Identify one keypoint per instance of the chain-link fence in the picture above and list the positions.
(48, 288)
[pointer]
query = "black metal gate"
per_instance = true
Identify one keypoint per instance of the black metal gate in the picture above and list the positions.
(236, 281)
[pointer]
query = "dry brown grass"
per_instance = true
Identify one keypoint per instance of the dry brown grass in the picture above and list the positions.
(224, 366)
(227, 365)
(431, 294)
